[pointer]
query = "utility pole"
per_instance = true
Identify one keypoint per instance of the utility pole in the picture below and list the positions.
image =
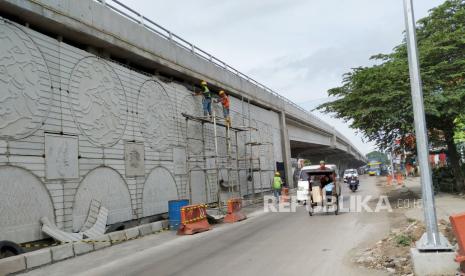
(431, 240)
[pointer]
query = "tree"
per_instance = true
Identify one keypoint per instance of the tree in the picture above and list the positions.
(378, 156)
(307, 162)
(460, 130)
(376, 99)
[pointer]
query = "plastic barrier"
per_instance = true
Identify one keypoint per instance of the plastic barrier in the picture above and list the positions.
(285, 194)
(458, 226)
(400, 179)
(234, 211)
(389, 179)
(193, 219)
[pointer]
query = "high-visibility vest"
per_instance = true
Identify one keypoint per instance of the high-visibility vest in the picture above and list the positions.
(277, 182)
(206, 92)
(225, 101)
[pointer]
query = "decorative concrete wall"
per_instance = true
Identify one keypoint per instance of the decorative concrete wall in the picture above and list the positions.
(76, 127)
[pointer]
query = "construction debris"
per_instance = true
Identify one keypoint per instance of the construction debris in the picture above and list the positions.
(392, 254)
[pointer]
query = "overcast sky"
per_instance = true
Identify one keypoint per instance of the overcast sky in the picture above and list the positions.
(299, 48)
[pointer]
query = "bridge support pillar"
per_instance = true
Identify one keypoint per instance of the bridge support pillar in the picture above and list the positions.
(286, 150)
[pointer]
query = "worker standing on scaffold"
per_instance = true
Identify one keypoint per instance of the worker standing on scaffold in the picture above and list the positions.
(206, 99)
(224, 99)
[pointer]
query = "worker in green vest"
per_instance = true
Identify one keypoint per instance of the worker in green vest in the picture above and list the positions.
(206, 99)
(277, 185)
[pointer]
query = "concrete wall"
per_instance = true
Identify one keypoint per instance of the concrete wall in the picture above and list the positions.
(90, 22)
(76, 127)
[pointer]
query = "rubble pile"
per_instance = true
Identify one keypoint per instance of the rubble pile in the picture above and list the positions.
(392, 254)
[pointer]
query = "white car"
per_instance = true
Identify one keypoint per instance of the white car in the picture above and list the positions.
(350, 172)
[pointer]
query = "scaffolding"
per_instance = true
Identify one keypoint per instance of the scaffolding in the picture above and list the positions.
(228, 161)
(222, 162)
(254, 164)
(250, 163)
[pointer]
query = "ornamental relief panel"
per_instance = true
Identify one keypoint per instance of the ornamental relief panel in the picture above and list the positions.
(98, 102)
(24, 84)
(155, 115)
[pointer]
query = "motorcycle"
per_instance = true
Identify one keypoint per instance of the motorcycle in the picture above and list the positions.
(353, 183)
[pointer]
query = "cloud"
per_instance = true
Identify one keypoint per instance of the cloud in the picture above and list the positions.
(299, 48)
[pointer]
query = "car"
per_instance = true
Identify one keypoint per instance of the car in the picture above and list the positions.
(371, 173)
(348, 173)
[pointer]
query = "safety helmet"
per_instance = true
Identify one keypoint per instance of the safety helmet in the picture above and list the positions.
(322, 162)
(277, 174)
(203, 83)
(221, 93)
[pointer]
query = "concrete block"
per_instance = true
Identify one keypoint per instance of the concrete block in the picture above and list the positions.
(12, 264)
(62, 252)
(117, 237)
(102, 242)
(156, 226)
(38, 258)
(132, 233)
(145, 229)
(82, 248)
(433, 263)
(165, 224)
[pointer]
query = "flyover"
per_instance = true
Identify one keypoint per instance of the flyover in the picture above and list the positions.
(127, 35)
(102, 91)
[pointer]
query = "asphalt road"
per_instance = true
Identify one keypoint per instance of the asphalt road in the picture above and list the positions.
(264, 244)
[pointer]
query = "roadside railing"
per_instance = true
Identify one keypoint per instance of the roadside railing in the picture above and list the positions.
(131, 14)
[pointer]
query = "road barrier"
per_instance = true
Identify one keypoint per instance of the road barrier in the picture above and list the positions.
(285, 194)
(193, 219)
(458, 226)
(389, 179)
(234, 211)
(399, 179)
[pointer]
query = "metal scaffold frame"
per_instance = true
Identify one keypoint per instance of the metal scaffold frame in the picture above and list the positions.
(249, 158)
(226, 162)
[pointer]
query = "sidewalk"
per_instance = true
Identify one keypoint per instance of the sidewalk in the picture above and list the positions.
(446, 204)
(156, 242)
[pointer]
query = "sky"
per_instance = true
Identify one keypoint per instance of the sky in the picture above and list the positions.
(299, 48)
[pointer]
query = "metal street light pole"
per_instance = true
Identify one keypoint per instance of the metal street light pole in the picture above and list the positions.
(431, 240)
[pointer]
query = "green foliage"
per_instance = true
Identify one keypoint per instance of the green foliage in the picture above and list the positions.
(376, 100)
(307, 162)
(459, 136)
(443, 180)
(379, 156)
(403, 240)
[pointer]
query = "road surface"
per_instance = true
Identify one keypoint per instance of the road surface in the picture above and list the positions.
(264, 244)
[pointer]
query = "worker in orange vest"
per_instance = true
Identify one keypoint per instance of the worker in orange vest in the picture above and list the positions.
(224, 100)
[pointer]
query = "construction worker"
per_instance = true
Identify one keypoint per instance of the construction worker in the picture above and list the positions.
(224, 99)
(277, 184)
(206, 100)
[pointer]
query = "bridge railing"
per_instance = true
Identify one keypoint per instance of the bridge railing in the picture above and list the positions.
(135, 16)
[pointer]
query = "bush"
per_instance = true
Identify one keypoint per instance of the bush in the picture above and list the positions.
(403, 240)
(444, 180)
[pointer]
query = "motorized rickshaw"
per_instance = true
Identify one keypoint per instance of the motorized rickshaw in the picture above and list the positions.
(323, 193)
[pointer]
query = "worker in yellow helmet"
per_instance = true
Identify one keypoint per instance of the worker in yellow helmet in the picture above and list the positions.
(224, 100)
(277, 185)
(206, 99)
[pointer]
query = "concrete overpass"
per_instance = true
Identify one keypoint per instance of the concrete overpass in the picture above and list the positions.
(111, 82)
